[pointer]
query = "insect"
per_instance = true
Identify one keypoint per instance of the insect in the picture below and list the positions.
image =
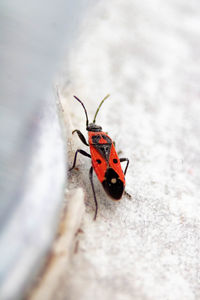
(104, 158)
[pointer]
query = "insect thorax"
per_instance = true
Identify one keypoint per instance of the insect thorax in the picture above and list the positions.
(102, 143)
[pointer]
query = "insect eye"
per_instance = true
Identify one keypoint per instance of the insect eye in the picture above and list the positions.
(98, 161)
(115, 161)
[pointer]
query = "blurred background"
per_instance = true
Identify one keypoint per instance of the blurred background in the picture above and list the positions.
(146, 55)
(34, 39)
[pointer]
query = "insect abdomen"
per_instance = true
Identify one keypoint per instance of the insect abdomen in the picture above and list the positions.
(112, 184)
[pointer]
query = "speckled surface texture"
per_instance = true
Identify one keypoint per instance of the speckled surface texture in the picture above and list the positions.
(146, 55)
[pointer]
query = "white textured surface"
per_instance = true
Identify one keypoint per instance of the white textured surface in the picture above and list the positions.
(63, 248)
(146, 55)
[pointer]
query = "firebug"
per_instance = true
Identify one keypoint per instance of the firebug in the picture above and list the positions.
(104, 158)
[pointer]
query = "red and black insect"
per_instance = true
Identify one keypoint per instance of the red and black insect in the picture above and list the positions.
(105, 161)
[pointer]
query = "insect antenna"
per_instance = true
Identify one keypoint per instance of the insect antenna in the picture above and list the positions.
(84, 110)
(99, 107)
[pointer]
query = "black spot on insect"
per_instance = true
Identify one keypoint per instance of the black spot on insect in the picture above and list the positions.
(96, 139)
(115, 161)
(107, 139)
(112, 184)
(98, 161)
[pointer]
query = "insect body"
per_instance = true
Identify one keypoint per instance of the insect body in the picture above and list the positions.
(105, 161)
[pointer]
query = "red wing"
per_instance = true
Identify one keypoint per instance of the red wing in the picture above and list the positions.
(98, 162)
(104, 155)
(115, 164)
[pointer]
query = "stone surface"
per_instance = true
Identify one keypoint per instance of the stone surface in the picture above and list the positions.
(65, 244)
(146, 55)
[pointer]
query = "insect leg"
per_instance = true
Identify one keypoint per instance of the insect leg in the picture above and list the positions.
(95, 199)
(127, 160)
(83, 153)
(81, 136)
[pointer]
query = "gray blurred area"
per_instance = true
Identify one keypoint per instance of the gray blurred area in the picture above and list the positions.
(34, 38)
